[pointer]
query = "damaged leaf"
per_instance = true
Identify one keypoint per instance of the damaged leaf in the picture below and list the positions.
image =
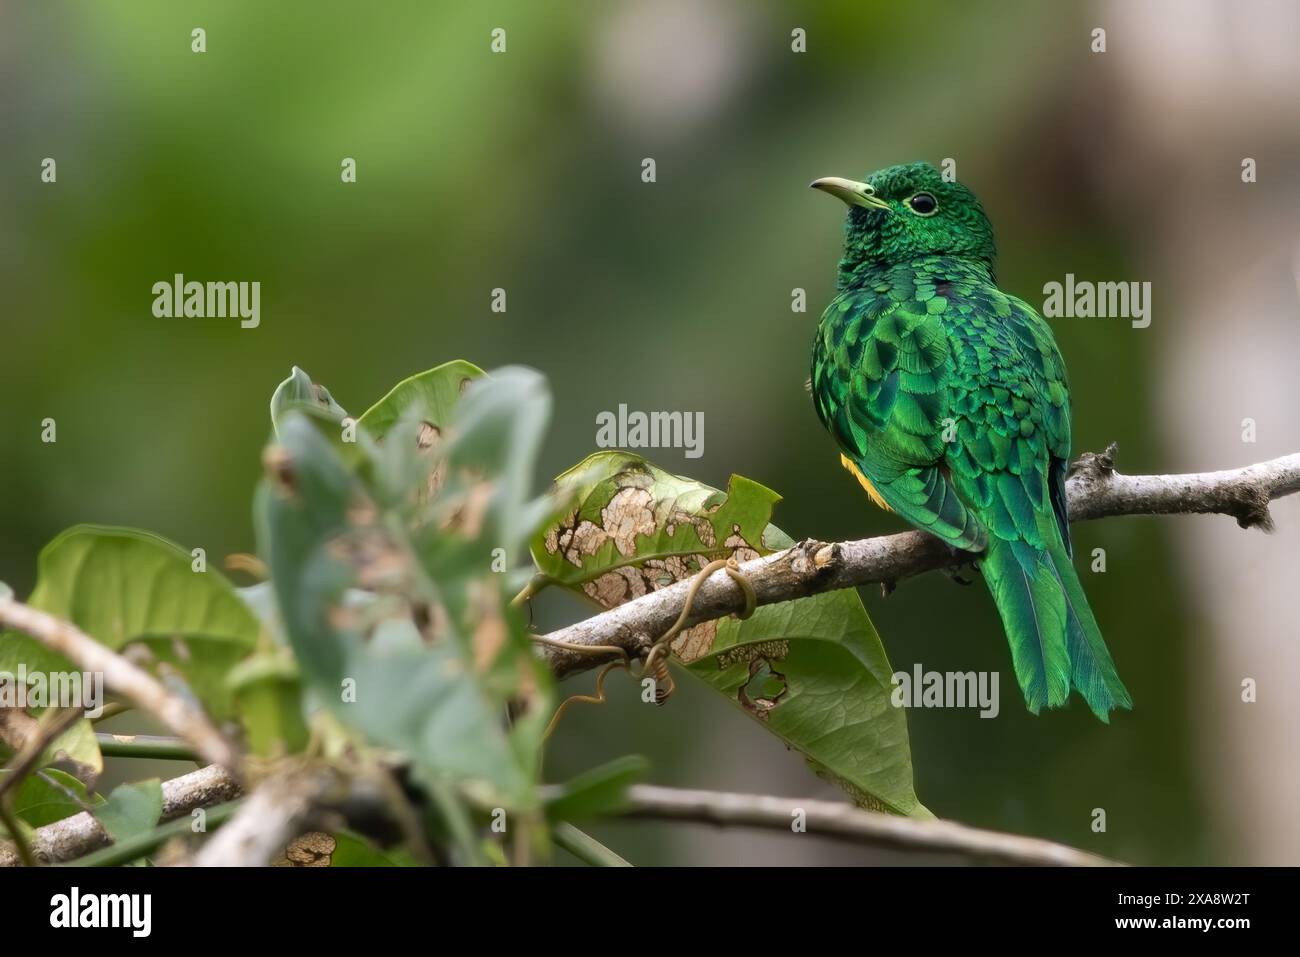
(390, 591)
(632, 528)
(811, 671)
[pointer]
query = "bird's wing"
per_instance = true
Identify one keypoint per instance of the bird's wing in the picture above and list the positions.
(1006, 407)
(881, 364)
(1010, 406)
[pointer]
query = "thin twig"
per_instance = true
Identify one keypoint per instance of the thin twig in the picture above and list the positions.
(157, 747)
(51, 727)
(111, 710)
(123, 677)
(534, 586)
(837, 819)
(1095, 490)
(585, 847)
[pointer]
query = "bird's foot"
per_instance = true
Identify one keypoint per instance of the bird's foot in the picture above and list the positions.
(959, 561)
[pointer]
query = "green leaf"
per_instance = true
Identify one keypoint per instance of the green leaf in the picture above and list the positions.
(430, 395)
(199, 663)
(49, 795)
(131, 809)
(260, 599)
(597, 791)
(352, 850)
(811, 671)
(76, 748)
(77, 745)
(299, 392)
(121, 585)
(268, 692)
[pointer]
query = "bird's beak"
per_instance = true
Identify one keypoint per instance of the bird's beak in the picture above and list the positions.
(853, 193)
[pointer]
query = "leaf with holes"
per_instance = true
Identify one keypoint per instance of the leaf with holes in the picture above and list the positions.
(391, 601)
(811, 671)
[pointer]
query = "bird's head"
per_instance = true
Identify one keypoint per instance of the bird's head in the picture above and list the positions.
(905, 212)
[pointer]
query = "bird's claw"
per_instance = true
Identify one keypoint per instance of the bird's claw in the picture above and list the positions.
(960, 559)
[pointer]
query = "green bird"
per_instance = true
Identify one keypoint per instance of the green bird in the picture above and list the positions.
(949, 401)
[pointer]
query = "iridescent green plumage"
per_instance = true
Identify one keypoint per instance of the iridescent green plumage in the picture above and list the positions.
(951, 398)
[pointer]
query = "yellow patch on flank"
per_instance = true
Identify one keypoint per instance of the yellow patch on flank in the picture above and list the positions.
(864, 482)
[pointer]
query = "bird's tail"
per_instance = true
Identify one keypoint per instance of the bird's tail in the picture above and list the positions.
(1054, 638)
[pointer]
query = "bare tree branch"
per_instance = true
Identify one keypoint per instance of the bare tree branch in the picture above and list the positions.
(289, 803)
(837, 819)
(124, 677)
(1095, 490)
(292, 802)
(80, 834)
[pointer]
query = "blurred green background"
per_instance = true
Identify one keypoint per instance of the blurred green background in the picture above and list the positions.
(522, 170)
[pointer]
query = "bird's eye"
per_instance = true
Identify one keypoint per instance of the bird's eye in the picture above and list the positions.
(923, 204)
